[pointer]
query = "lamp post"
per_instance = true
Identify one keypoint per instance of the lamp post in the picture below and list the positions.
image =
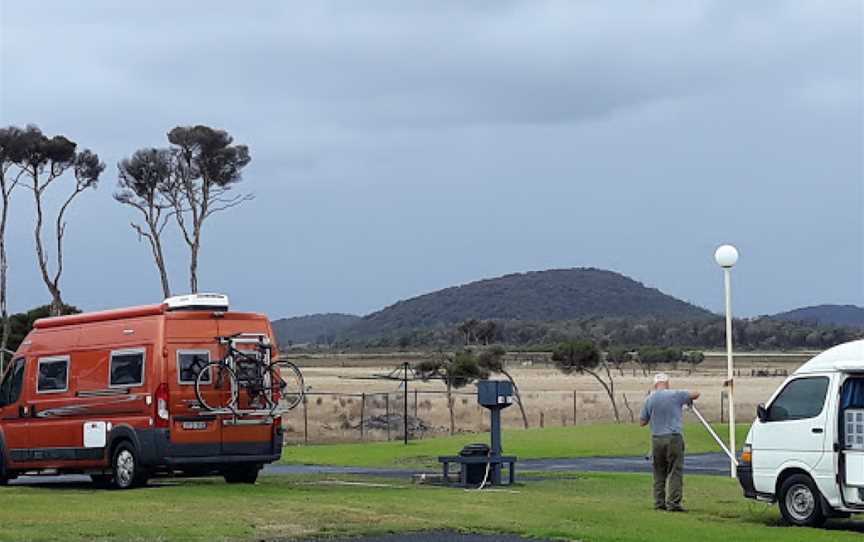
(726, 257)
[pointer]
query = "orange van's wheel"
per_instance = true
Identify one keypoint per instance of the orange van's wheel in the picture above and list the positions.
(246, 474)
(126, 472)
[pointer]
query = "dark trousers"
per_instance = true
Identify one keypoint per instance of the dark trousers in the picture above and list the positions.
(668, 452)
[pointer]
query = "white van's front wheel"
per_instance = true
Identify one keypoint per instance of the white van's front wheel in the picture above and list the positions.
(799, 502)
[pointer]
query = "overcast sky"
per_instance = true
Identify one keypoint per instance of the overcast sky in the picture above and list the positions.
(401, 147)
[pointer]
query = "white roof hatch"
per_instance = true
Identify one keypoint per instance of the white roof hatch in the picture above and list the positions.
(193, 302)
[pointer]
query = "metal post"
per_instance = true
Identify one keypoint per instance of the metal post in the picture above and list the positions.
(305, 421)
(387, 410)
(405, 403)
(362, 414)
(495, 452)
(727, 279)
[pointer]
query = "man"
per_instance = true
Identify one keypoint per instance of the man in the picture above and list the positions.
(662, 410)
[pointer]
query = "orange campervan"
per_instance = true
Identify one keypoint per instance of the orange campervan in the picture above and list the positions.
(118, 394)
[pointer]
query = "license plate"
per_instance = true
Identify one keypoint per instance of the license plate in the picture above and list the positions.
(194, 425)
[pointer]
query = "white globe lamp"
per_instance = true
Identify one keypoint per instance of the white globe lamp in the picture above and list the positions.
(726, 256)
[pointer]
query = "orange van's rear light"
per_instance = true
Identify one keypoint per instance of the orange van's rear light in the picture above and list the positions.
(162, 405)
(747, 454)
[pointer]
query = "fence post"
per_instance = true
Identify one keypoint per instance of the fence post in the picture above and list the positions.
(362, 414)
(542, 422)
(415, 404)
(305, 420)
(387, 410)
(722, 405)
(574, 407)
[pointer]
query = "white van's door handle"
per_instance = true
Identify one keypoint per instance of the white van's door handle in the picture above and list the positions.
(817, 430)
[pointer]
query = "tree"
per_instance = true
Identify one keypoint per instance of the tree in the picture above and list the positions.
(492, 360)
(468, 328)
(9, 155)
(143, 182)
(618, 356)
(486, 332)
(43, 161)
(693, 358)
(455, 371)
(207, 166)
(584, 358)
(21, 323)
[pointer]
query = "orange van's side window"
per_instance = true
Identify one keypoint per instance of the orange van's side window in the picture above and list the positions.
(126, 368)
(52, 375)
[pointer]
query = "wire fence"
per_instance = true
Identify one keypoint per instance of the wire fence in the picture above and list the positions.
(326, 416)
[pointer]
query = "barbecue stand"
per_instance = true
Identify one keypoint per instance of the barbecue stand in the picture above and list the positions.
(474, 459)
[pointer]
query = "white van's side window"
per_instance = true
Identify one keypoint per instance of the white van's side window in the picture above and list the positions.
(126, 368)
(801, 398)
(190, 363)
(52, 374)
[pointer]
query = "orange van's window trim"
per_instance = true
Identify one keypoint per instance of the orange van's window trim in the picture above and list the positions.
(52, 359)
(193, 352)
(127, 352)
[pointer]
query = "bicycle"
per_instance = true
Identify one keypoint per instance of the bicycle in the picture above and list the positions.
(270, 386)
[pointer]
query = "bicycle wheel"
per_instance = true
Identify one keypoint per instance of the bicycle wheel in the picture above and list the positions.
(286, 385)
(216, 387)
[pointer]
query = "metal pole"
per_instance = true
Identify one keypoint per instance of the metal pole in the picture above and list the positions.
(405, 401)
(727, 279)
(362, 413)
(387, 410)
(305, 421)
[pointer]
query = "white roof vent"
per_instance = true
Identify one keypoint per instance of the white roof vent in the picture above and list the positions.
(198, 302)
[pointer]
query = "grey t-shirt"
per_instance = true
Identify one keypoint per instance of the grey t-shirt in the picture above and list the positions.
(663, 410)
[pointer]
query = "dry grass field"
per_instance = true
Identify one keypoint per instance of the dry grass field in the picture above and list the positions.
(335, 382)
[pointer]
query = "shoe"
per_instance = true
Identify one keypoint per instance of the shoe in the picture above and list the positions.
(675, 509)
(661, 507)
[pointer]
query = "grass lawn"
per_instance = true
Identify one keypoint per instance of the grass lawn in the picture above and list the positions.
(591, 507)
(552, 442)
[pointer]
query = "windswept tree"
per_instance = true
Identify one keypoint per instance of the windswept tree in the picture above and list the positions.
(492, 360)
(9, 154)
(455, 371)
(44, 160)
(207, 166)
(144, 179)
(583, 357)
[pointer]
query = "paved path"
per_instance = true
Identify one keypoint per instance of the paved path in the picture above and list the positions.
(711, 463)
(436, 537)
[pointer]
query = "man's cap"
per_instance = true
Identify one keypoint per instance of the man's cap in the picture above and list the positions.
(661, 377)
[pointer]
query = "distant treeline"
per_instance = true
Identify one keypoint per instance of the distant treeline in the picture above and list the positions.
(752, 334)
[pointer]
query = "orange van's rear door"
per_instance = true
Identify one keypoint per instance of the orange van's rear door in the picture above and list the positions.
(248, 435)
(194, 431)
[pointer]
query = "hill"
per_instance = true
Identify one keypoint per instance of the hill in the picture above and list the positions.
(311, 328)
(552, 295)
(838, 315)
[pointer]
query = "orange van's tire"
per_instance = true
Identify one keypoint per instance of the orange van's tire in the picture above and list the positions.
(800, 502)
(246, 474)
(126, 471)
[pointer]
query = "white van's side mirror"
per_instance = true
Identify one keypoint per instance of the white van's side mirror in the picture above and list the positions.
(762, 412)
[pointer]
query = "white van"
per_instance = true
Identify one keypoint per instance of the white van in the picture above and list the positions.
(805, 450)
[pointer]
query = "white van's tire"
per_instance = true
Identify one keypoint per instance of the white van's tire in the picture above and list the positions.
(126, 471)
(800, 502)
